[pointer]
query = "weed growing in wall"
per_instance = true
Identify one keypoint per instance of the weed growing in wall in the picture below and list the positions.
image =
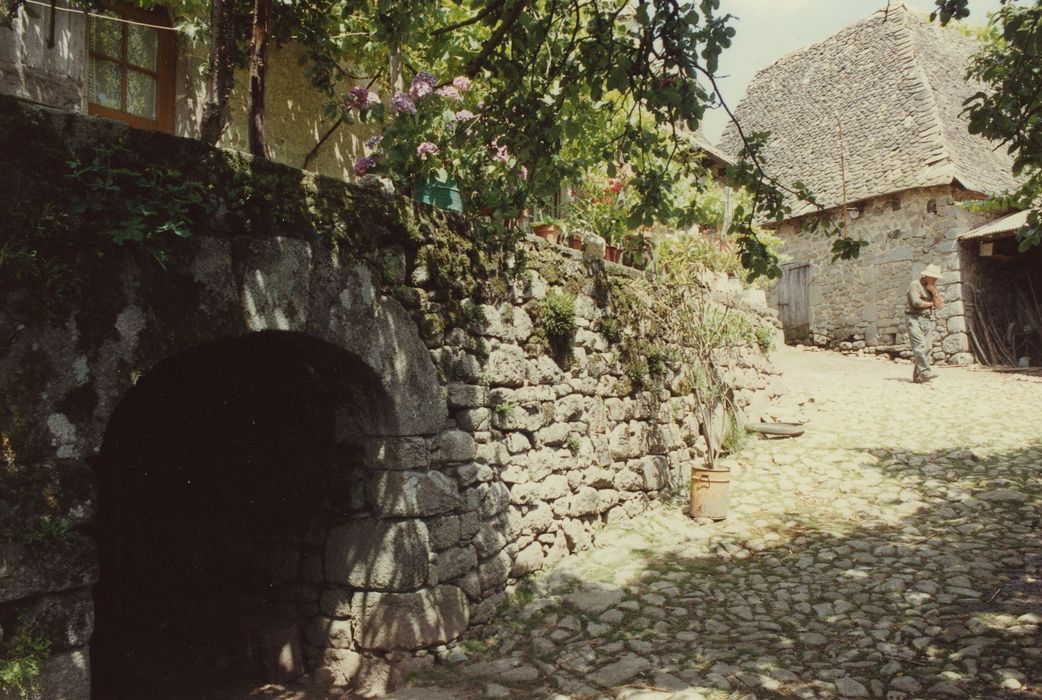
(21, 659)
(557, 316)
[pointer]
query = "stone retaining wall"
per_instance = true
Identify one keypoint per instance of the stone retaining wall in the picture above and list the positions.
(477, 455)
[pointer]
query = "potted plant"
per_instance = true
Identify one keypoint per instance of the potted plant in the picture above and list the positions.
(599, 205)
(575, 240)
(548, 229)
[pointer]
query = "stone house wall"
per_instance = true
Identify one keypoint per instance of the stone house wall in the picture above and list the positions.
(56, 77)
(477, 456)
(861, 303)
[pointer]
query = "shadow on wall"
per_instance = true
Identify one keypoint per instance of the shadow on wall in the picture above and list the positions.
(221, 472)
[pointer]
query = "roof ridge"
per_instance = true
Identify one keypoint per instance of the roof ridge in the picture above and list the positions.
(928, 114)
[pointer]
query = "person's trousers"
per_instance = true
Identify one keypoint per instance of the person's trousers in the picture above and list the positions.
(920, 336)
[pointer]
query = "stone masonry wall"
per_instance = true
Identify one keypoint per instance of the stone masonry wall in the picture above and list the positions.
(861, 303)
(485, 455)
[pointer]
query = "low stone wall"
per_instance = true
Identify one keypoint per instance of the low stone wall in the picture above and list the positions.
(474, 450)
(861, 303)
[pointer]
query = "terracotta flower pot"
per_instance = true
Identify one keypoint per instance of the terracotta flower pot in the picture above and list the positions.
(548, 232)
(575, 242)
(612, 253)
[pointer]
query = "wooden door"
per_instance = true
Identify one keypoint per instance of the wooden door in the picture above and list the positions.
(794, 301)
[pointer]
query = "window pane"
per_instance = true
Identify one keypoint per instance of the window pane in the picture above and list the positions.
(141, 94)
(141, 46)
(104, 83)
(107, 37)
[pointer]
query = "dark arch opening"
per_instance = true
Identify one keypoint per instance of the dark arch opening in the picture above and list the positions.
(220, 472)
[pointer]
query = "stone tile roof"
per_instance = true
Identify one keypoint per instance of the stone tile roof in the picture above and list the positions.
(895, 82)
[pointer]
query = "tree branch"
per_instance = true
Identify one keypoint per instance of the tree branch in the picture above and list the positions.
(489, 9)
(478, 62)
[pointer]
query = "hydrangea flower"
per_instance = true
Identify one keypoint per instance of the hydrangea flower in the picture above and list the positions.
(402, 103)
(373, 141)
(523, 173)
(502, 153)
(361, 98)
(449, 93)
(422, 85)
(427, 149)
(464, 115)
(461, 83)
(364, 165)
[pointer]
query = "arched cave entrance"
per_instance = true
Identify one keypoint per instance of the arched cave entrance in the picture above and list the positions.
(220, 474)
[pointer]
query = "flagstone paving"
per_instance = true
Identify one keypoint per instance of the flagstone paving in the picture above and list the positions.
(893, 551)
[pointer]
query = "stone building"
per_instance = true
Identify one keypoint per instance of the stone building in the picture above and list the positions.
(871, 119)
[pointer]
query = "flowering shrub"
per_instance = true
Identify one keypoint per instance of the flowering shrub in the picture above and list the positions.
(435, 132)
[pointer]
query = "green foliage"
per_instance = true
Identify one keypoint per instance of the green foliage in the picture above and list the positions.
(573, 444)
(1009, 110)
(735, 438)
(145, 205)
(21, 659)
(599, 204)
(612, 329)
(45, 529)
(656, 357)
(503, 409)
(557, 316)
(765, 336)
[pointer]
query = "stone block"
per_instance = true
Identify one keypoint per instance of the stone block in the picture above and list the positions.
(528, 560)
(569, 408)
(474, 419)
(495, 500)
(528, 417)
(65, 620)
(957, 324)
(553, 487)
(514, 474)
(399, 621)
(396, 453)
(456, 562)
(494, 572)
(586, 501)
(956, 343)
(336, 603)
(378, 555)
(61, 490)
(554, 435)
(538, 519)
(453, 446)
(46, 567)
(444, 531)
(507, 366)
(408, 494)
(655, 472)
(322, 631)
(63, 676)
(626, 480)
(338, 667)
(467, 395)
(522, 325)
(490, 538)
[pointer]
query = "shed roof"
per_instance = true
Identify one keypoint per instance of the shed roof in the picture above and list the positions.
(894, 82)
(999, 228)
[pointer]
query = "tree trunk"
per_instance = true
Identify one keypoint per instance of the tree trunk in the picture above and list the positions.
(258, 72)
(221, 71)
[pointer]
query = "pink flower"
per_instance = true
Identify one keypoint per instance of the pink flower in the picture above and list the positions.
(402, 103)
(361, 98)
(449, 93)
(364, 165)
(422, 85)
(464, 115)
(461, 83)
(427, 149)
(523, 174)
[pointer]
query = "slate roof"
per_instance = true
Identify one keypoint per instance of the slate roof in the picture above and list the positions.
(896, 83)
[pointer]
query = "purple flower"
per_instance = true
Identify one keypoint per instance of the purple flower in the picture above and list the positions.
(361, 98)
(373, 141)
(449, 93)
(364, 165)
(427, 149)
(461, 83)
(464, 115)
(401, 103)
(422, 85)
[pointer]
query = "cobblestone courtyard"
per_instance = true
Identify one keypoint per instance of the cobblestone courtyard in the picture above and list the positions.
(893, 551)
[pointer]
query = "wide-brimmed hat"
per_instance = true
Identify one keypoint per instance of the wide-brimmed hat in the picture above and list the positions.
(931, 271)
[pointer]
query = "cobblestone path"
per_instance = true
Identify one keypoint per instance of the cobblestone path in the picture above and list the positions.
(893, 551)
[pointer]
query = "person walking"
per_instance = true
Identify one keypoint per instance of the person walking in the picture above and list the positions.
(923, 298)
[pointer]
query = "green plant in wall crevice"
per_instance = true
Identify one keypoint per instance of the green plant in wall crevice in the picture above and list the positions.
(557, 317)
(20, 660)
